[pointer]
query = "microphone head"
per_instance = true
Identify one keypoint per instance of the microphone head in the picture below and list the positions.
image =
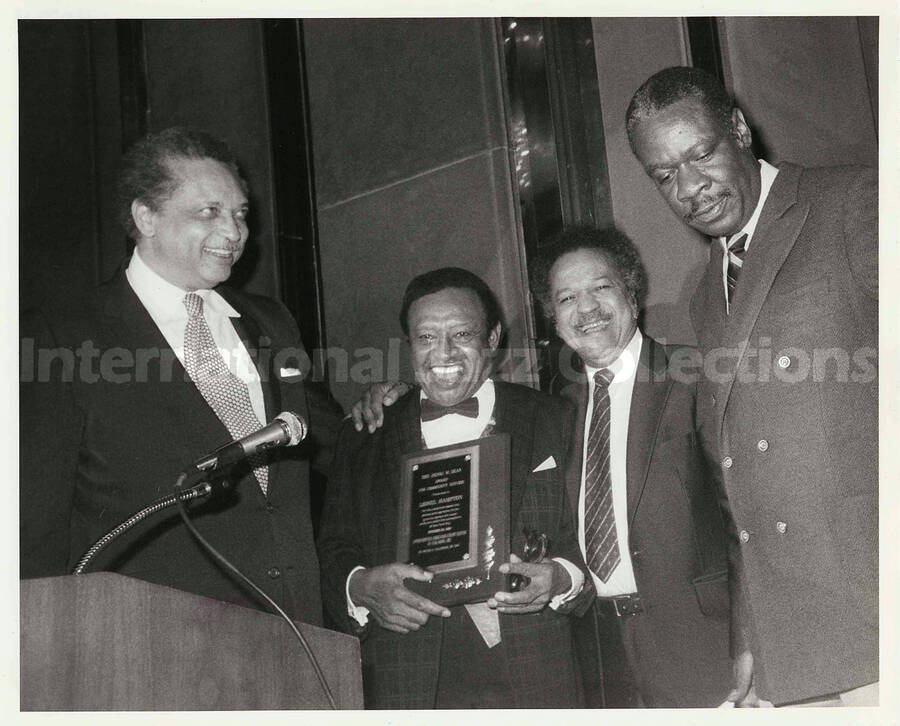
(294, 425)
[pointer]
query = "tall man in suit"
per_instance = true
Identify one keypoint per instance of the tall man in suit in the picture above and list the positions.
(648, 519)
(787, 321)
(163, 364)
(516, 649)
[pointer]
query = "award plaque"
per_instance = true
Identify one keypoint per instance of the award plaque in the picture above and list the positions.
(454, 519)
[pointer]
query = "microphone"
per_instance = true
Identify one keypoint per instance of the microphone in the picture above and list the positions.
(286, 429)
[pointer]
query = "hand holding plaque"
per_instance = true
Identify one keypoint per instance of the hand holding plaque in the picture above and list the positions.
(383, 591)
(534, 550)
(542, 581)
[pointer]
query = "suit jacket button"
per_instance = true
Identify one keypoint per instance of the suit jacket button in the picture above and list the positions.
(274, 573)
(727, 462)
(270, 507)
(781, 527)
(744, 535)
(762, 445)
(783, 361)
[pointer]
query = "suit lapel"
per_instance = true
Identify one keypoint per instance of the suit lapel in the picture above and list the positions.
(402, 436)
(648, 398)
(779, 226)
(576, 392)
(520, 427)
(259, 348)
(131, 327)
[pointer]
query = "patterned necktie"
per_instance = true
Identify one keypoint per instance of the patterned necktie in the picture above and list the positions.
(600, 538)
(736, 251)
(225, 393)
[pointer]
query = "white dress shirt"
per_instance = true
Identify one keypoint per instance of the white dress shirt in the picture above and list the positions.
(621, 580)
(454, 428)
(165, 303)
(767, 174)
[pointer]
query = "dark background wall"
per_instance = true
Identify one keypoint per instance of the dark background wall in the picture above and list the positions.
(412, 173)
(67, 156)
(76, 118)
(211, 74)
(413, 144)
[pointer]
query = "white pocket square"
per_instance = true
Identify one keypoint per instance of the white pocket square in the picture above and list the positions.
(548, 463)
(289, 372)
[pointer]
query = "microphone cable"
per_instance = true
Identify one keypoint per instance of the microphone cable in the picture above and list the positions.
(182, 510)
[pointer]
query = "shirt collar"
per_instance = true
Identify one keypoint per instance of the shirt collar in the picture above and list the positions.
(165, 299)
(625, 366)
(767, 174)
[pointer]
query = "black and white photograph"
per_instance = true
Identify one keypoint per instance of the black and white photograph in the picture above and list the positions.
(501, 359)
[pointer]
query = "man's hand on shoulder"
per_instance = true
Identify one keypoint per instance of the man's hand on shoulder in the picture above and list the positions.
(394, 607)
(368, 411)
(548, 579)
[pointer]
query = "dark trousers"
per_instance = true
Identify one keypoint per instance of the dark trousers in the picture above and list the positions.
(605, 643)
(471, 675)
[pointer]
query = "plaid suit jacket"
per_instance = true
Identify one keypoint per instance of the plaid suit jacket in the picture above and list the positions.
(359, 525)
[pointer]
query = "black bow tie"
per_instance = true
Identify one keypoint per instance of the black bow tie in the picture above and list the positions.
(431, 410)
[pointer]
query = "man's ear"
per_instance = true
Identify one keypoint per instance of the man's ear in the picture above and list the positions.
(740, 129)
(144, 218)
(494, 338)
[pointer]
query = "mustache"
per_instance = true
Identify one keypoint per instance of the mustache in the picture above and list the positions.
(603, 315)
(701, 205)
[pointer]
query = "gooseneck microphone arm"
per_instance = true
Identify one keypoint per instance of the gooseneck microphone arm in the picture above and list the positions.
(200, 490)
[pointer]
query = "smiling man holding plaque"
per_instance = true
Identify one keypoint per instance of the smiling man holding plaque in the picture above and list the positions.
(421, 514)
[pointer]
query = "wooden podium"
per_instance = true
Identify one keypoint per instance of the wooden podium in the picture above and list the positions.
(107, 642)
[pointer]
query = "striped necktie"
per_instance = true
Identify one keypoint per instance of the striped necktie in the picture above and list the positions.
(601, 541)
(736, 251)
(225, 393)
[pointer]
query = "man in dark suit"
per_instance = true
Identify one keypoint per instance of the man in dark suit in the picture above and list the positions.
(516, 649)
(660, 622)
(162, 365)
(787, 321)
(658, 635)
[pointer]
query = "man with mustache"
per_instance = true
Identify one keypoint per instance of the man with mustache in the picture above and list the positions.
(182, 364)
(515, 650)
(647, 517)
(648, 522)
(787, 321)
